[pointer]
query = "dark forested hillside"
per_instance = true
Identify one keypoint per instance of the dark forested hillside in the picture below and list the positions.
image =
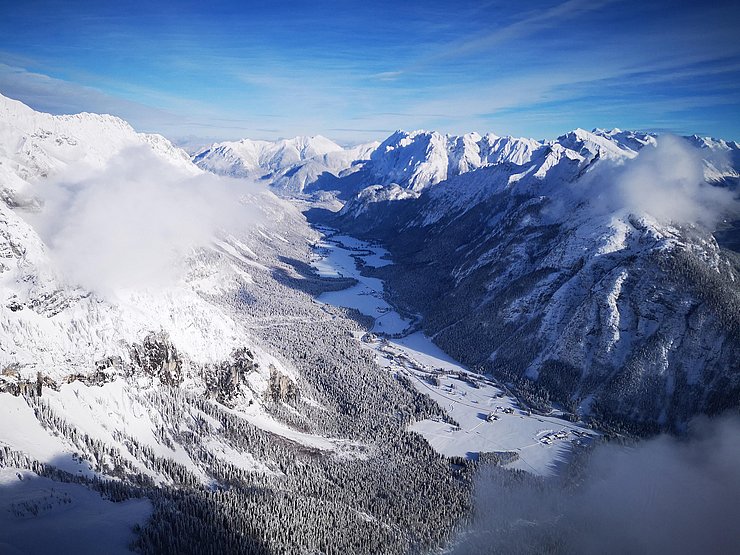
(608, 313)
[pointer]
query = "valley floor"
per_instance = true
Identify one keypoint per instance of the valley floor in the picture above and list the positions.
(483, 416)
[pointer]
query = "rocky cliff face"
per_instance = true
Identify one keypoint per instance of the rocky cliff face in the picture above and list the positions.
(158, 357)
(282, 388)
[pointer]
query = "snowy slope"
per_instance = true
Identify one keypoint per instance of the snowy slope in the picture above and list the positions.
(48, 322)
(248, 158)
(73, 518)
(319, 172)
(182, 331)
(722, 158)
(290, 164)
(163, 361)
(34, 144)
(587, 273)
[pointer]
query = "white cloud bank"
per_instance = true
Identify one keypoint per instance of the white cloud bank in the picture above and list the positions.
(132, 223)
(664, 495)
(665, 181)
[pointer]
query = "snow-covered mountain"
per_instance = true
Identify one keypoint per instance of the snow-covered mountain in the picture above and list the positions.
(57, 333)
(584, 271)
(290, 164)
(419, 159)
(36, 144)
(722, 164)
(591, 226)
(160, 344)
(248, 158)
(413, 160)
(53, 324)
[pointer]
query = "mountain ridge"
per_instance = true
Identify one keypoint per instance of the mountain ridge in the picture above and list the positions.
(160, 340)
(550, 272)
(418, 159)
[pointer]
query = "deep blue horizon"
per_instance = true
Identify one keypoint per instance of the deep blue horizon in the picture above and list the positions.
(356, 71)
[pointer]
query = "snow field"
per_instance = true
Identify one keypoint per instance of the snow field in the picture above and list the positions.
(489, 419)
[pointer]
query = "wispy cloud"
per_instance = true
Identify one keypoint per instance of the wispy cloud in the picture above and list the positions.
(387, 75)
(104, 236)
(530, 24)
(484, 66)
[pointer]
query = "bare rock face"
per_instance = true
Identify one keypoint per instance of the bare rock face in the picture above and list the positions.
(224, 381)
(11, 382)
(282, 388)
(158, 357)
(20, 387)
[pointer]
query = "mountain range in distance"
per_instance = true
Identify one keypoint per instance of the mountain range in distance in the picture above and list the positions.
(575, 268)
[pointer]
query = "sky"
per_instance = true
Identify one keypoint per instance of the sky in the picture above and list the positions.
(356, 71)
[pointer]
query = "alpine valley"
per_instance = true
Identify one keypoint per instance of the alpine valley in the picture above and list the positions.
(301, 347)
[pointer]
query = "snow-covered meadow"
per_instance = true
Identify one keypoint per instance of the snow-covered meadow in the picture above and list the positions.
(489, 419)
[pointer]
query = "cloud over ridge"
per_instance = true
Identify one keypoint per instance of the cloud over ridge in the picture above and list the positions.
(132, 222)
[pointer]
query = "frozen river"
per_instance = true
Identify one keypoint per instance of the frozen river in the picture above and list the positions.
(489, 419)
(336, 257)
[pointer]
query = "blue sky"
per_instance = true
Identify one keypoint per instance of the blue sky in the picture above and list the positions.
(356, 71)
